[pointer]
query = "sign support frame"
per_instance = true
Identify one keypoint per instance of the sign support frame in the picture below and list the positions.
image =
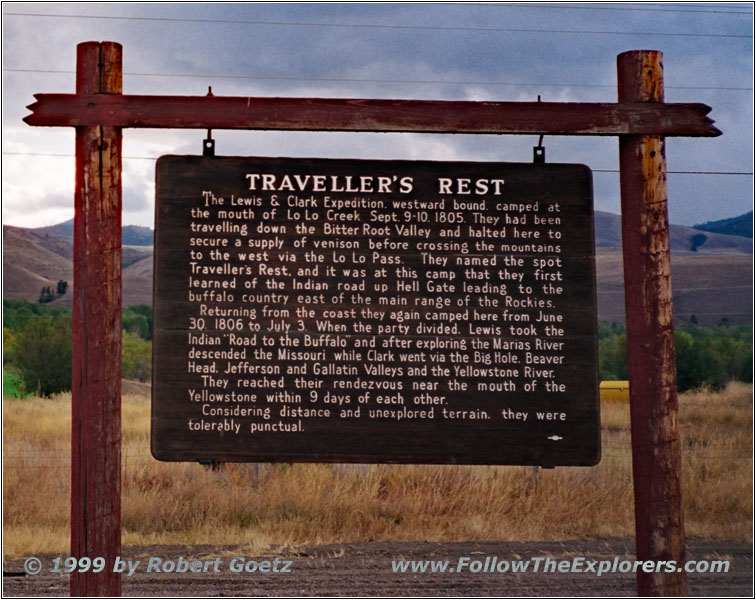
(96, 331)
(641, 120)
(652, 369)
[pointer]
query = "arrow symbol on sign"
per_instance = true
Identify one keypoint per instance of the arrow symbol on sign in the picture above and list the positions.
(555, 438)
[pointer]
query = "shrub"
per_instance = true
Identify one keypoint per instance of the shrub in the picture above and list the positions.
(13, 385)
(41, 351)
(706, 356)
(138, 319)
(137, 357)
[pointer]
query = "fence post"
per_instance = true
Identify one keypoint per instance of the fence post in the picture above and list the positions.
(96, 369)
(659, 531)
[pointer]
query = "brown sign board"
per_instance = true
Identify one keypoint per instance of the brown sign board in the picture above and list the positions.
(320, 310)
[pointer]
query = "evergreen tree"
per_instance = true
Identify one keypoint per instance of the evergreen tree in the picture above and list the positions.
(46, 295)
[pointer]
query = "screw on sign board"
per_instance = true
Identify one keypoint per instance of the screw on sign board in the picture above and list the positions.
(325, 310)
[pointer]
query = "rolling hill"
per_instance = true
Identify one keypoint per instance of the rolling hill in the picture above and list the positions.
(36, 258)
(741, 225)
(708, 286)
(711, 276)
(32, 261)
(133, 235)
(682, 239)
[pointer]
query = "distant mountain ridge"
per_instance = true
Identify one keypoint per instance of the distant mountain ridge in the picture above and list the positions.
(741, 225)
(682, 239)
(608, 228)
(133, 235)
(711, 272)
(37, 258)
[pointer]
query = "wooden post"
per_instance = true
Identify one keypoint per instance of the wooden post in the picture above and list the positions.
(96, 393)
(99, 111)
(650, 336)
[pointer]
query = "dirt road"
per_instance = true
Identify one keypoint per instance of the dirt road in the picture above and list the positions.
(365, 569)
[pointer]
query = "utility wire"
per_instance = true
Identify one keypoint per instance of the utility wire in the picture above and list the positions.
(677, 314)
(51, 154)
(685, 172)
(694, 289)
(614, 8)
(382, 81)
(686, 5)
(380, 26)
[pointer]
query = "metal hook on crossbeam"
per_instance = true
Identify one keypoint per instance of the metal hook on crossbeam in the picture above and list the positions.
(539, 151)
(208, 144)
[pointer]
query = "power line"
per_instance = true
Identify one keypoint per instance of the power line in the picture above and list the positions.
(685, 172)
(381, 81)
(380, 26)
(689, 5)
(700, 289)
(54, 155)
(51, 154)
(624, 8)
(698, 314)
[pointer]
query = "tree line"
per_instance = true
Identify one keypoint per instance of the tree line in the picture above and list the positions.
(37, 346)
(37, 349)
(707, 356)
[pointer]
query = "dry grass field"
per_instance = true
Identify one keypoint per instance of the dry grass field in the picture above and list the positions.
(260, 506)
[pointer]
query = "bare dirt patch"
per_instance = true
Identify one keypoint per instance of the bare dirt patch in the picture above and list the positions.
(365, 569)
(137, 388)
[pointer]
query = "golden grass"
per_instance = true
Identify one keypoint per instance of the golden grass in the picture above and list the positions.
(185, 503)
(717, 447)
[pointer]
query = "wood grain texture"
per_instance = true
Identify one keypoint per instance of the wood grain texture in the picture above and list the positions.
(368, 115)
(96, 381)
(180, 182)
(652, 372)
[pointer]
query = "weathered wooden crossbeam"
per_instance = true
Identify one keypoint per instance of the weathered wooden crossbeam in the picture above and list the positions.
(641, 119)
(330, 114)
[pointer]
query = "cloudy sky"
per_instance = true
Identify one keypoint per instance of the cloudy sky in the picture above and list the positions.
(454, 51)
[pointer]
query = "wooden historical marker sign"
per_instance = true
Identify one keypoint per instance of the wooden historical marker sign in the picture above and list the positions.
(374, 311)
(196, 418)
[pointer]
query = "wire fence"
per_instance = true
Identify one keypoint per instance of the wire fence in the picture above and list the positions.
(609, 450)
